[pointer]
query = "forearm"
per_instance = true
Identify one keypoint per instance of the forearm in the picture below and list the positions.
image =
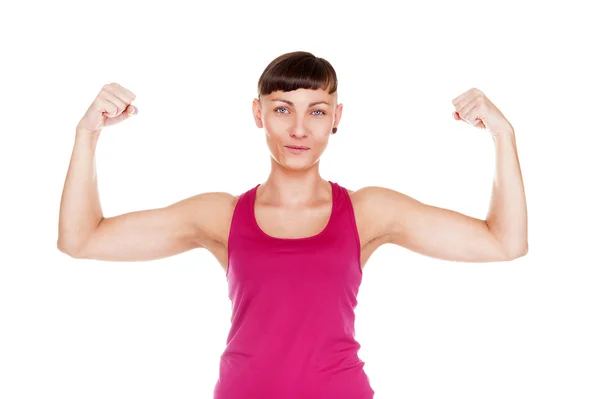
(507, 216)
(80, 211)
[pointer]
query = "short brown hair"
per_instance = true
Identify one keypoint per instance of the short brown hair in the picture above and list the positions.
(297, 70)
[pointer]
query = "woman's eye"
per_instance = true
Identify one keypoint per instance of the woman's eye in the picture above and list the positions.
(276, 109)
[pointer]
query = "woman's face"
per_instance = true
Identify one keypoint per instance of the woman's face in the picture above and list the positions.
(297, 124)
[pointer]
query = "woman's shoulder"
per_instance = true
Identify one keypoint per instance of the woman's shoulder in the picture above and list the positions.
(374, 199)
(211, 213)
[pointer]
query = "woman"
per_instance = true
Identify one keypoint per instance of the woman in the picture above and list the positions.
(293, 248)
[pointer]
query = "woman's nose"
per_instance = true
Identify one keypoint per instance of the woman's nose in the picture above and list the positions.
(299, 129)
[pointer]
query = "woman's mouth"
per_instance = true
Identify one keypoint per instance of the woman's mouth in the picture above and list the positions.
(296, 149)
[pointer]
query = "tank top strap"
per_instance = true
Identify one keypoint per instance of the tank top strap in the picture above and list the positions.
(240, 228)
(337, 221)
(243, 213)
(343, 218)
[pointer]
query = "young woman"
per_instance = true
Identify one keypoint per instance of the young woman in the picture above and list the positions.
(293, 248)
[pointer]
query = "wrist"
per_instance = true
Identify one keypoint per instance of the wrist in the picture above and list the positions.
(86, 137)
(504, 135)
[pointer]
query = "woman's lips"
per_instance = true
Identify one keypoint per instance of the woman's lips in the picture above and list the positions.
(296, 149)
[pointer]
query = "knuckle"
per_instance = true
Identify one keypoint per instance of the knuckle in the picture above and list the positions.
(116, 105)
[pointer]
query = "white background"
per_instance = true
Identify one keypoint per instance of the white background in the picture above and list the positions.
(428, 328)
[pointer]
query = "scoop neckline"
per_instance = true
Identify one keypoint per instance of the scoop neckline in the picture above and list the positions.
(319, 234)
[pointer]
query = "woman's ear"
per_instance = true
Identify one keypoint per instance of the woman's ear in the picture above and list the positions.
(257, 113)
(338, 114)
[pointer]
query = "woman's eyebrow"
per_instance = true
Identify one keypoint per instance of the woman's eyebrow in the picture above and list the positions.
(292, 104)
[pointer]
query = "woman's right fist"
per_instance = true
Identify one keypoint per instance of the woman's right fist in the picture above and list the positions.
(111, 106)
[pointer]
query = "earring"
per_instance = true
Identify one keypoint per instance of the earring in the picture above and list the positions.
(334, 130)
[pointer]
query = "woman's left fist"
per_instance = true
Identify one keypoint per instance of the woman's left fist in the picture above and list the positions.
(476, 109)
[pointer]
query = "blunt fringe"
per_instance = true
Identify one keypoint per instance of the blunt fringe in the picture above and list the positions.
(297, 70)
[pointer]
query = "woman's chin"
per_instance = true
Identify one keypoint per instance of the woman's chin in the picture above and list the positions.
(297, 164)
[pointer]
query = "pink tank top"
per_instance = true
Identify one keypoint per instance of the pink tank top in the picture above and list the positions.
(293, 300)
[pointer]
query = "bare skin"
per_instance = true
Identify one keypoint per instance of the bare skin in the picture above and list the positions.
(294, 201)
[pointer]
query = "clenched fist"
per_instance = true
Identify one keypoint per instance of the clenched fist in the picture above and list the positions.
(111, 106)
(476, 109)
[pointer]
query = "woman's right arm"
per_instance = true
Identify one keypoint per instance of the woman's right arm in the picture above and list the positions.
(195, 222)
(83, 232)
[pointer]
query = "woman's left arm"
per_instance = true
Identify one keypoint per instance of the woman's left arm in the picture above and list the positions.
(445, 234)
